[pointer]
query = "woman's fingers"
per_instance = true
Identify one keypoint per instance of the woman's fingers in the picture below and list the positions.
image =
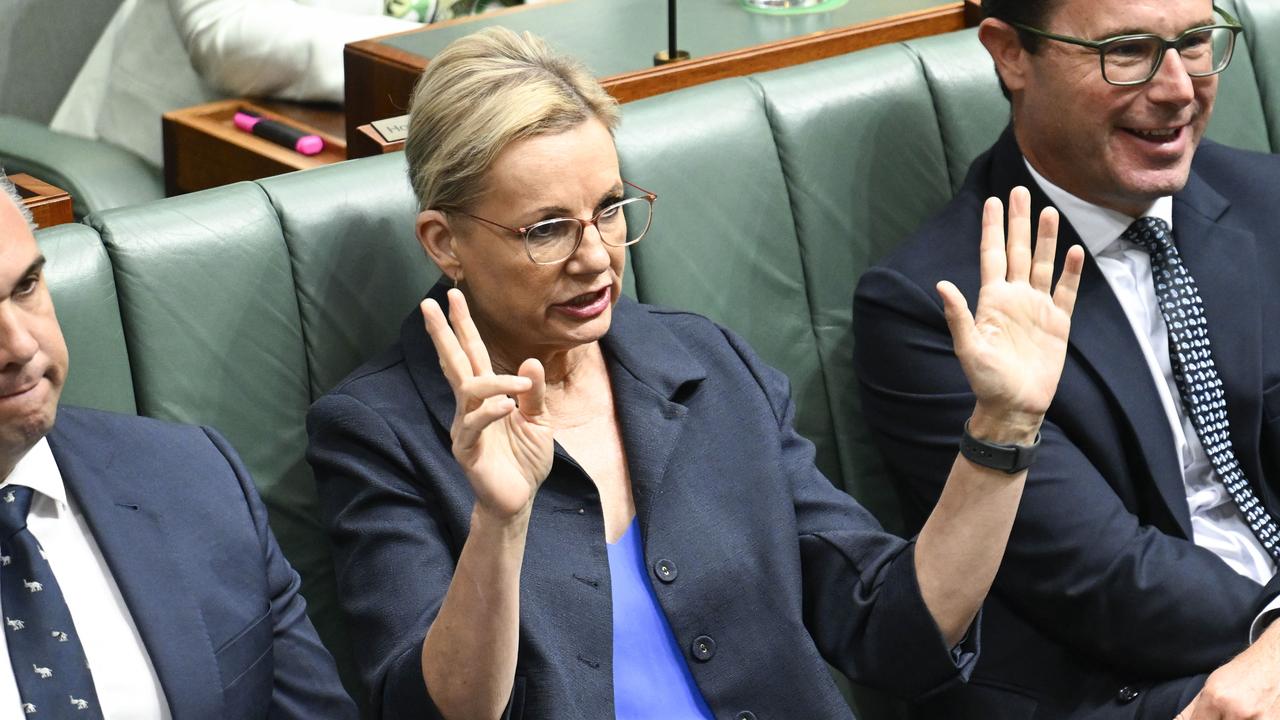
(959, 319)
(476, 390)
(1046, 248)
(1018, 245)
(468, 429)
(468, 335)
(533, 402)
(453, 360)
(991, 255)
(1064, 295)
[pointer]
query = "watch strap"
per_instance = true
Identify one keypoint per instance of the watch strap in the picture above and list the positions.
(1007, 458)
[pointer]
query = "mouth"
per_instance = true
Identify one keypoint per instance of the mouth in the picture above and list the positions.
(587, 305)
(1157, 136)
(16, 390)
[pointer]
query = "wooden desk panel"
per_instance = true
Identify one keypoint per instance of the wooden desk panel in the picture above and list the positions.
(726, 41)
(49, 205)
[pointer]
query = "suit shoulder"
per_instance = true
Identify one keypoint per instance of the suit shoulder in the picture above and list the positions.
(126, 430)
(943, 247)
(1249, 180)
(385, 374)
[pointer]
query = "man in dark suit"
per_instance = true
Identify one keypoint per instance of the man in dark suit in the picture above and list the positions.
(138, 576)
(1143, 556)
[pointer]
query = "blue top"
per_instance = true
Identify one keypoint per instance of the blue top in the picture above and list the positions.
(650, 676)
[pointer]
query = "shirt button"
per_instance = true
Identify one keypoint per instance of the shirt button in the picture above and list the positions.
(1128, 694)
(704, 648)
(666, 571)
(745, 715)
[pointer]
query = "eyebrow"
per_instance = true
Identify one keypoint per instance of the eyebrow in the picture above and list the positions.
(1132, 30)
(34, 268)
(562, 211)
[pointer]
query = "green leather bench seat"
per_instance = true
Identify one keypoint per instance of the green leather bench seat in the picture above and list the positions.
(238, 307)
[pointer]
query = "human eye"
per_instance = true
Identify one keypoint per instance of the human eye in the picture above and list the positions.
(549, 232)
(27, 286)
(613, 210)
(1196, 42)
(1129, 50)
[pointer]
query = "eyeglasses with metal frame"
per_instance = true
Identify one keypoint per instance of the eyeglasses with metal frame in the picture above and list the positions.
(552, 241)
(1134, 59)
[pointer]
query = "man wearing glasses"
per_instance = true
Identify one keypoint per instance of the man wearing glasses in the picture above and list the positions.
(1144, 556)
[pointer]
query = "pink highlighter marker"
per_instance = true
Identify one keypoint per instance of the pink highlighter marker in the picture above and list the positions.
(278, 133)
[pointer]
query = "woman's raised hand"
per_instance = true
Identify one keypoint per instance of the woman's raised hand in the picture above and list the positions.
(503, 445)
(1013, 348)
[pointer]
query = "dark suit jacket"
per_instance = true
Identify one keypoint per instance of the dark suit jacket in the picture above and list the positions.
(185, 535)
(1103, 607)
(774, 565)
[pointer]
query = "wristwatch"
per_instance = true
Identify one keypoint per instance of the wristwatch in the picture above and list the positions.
(1008, 458)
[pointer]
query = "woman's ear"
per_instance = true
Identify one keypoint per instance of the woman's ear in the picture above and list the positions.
(438, 241)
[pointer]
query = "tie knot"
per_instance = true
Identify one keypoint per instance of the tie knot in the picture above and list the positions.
(1150, 233)
(15, 501)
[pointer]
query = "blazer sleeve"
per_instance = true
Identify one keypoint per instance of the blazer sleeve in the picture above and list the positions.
(1080, 565)
(862, 601)
(237, 45)
(394, 560)
(306, 683)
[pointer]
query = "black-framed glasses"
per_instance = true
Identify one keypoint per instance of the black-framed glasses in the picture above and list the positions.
(553, 241)
(1135, 59)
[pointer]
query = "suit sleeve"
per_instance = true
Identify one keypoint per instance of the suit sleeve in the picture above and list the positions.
(306, 683)
(394, 561)
(1080, 566)
(863, 605)
(237, 45)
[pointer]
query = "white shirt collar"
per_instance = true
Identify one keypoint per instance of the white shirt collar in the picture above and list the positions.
(39, 471)
(1099, 228)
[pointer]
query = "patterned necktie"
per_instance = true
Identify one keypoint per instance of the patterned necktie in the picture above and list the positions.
(1195, 373)
(48, 661)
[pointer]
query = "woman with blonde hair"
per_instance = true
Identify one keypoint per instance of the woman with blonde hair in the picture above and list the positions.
(560, 503)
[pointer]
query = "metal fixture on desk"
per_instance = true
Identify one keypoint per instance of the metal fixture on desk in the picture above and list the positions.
(671, 54)
(784, 7)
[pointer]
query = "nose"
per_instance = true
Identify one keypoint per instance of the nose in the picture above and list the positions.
(17, 345)
(1171, 83)
(592, 255)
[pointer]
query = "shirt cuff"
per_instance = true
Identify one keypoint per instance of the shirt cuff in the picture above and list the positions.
(1263, 621)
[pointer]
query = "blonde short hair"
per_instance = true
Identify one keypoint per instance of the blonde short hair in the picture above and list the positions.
(483, 92)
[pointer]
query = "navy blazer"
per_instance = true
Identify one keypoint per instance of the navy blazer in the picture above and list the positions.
(185, 535)
(1103, 607)
(769, 565)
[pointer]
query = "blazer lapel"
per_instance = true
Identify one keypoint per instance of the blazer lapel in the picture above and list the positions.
(650, 371)
(130, 533)
(1223, 261)
(1103, 340)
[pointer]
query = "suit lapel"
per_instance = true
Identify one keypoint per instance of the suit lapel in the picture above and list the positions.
(128, 528)
(1223, 261)
(1103, 341)
(649, 370)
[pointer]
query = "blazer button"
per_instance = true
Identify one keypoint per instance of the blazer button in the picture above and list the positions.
(704, 648)
(745, 715)
(1128, 694)
(666, 571)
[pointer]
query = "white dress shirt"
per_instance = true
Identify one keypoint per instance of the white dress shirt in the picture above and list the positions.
(126, 683)
(1216, 523)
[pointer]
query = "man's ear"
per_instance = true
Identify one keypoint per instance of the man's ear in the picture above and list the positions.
(1005, 47)
(438, 241)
